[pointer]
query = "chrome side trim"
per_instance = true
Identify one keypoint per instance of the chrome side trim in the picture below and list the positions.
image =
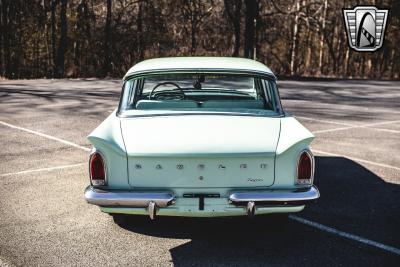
(275, 196)
(109, 198)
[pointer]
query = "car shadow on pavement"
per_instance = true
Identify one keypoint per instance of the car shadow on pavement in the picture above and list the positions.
(353, 199)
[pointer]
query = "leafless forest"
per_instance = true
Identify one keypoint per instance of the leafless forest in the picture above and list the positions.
(100, 38)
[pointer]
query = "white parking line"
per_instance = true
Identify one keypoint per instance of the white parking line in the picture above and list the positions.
(324, 121)
(357, 159)
(311, 103)
(45, 136)
(43, 169)
(345, 235)
(350, 126)
(357, 126)
(385, 130)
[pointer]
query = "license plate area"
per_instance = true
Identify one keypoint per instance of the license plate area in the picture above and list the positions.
(201, 197)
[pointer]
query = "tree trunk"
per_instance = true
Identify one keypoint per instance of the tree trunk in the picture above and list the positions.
(346, 62)
(249, 30)
(336, 47)
(6, 38)
(53, 34)
(321, 42)
(295, 35)
(193, 32)
(79, 28)
(236, 26)
(233, 10)
(362, 67)
(307, 61)
(139, 21)
(2, 29)
(392, 65)
(107, 40)
(62, 46)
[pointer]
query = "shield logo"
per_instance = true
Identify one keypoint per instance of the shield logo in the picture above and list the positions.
(365, 27)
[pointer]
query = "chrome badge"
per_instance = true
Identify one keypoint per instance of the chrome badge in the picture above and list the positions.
(255, 180)
(221, 167)
(138, 166)
(263, 165)
(365, 27)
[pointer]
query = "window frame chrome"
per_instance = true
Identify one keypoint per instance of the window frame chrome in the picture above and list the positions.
(256, 74)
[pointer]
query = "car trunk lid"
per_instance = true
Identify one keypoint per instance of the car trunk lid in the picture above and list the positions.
(194, 151)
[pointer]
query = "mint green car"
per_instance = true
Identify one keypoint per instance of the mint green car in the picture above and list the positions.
(200, 137)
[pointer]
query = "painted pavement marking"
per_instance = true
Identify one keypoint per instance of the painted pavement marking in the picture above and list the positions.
(43, 169)
(44, 135)
(334, 231)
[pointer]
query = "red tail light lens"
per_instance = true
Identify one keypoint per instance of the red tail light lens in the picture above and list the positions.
(97, 169)
(305, 168)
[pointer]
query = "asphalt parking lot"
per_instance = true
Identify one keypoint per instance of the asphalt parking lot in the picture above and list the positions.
(44, 219)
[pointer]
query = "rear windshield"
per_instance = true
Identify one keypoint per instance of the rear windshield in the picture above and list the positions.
(198, 92)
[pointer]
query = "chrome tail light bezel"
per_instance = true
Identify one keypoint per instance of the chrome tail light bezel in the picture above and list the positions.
(98, 182)
(309, 181)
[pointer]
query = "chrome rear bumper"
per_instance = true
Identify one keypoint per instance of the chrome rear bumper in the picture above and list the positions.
(152, 201)
(111, 198)
(275, 196)
(251, 199)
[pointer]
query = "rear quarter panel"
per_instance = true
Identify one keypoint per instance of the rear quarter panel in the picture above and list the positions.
(107, 139)
(294, 137)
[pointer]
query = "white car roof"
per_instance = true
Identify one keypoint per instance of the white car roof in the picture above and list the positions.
(198, 64)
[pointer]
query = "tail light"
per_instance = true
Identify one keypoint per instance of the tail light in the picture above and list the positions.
(305, 168)
(97, 169)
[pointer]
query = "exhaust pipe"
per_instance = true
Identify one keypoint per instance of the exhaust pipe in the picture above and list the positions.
(251, 209)
(152, 208)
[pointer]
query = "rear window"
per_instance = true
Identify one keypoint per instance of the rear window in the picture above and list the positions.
(187, 82)
(200, 92)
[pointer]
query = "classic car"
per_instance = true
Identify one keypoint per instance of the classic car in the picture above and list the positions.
(200, 137)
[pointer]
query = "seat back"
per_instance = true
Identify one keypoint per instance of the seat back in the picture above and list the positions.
(165, 104)
(247, 104)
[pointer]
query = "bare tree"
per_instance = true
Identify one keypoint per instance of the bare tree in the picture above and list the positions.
(139, 22)
(299, 37)
(107, 40)
(195, 11)
(295, 36)
(2, 67)
(53, 7)
(62, 45)
(322, 38)
(233, 10)
(6, 7)
(249, 31)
